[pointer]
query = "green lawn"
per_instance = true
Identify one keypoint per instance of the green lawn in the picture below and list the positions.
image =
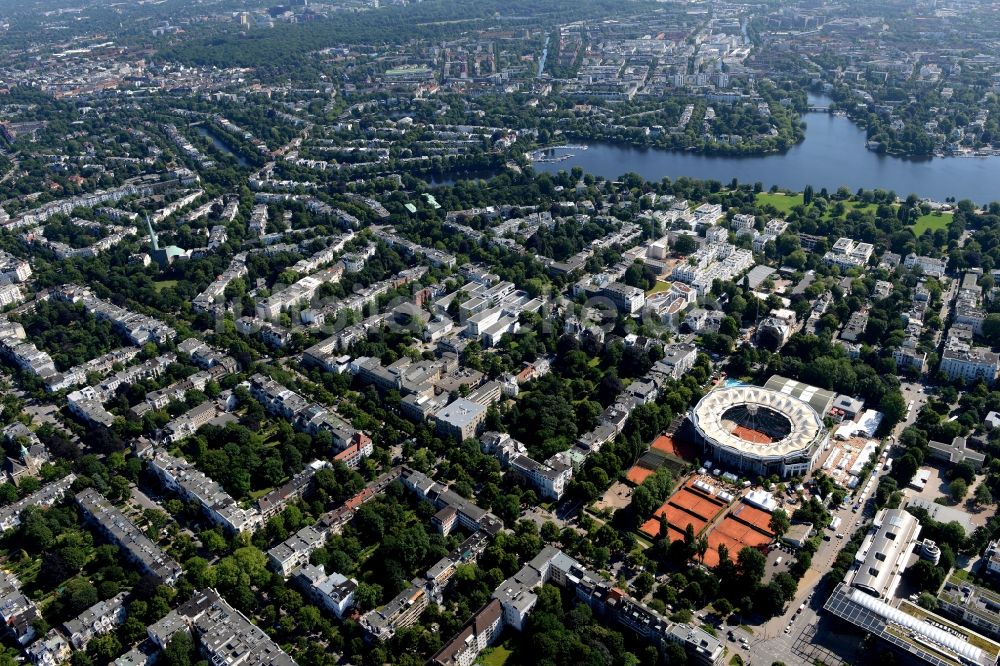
(786, 202)
(857, 205)
(783, 202)
(642, 541)
(495, 656)
(160, 285)
(932, 222)
(257, 494)
(659, 287)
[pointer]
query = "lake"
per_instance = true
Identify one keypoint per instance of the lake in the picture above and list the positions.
(832, 154)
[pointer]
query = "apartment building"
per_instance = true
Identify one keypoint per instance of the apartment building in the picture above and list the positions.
(139, 549)
(190, 483)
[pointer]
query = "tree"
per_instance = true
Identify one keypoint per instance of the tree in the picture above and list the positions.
(893, 408)
(685, 244)
(779, 522)
(926, 576)
(752, 565)
(180, 650)
(957, 489)
(701, 547)
(643, 584)
(722, 607)
(367, 596)
(104, 648)
(772, 598)
(928, 601)
(787, 583)
(991, 328)
(983, 496)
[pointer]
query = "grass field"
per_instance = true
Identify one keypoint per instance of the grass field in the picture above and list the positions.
(932, 222)
(783, 202)
(659, 287)
(495, 656)
(160, 285)
(786, 202)
(857, 205)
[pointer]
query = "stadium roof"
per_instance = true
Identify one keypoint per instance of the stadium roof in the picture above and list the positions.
(819, 399)
(806, 425)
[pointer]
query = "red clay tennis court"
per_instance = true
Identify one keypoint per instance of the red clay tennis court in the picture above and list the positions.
(751, 435)
(686, 506)
(637, 475)
(680, 519)
(744, 526)
(753, 516)
(715, 539)
(651, 528)
(696, 503)
(666, 444)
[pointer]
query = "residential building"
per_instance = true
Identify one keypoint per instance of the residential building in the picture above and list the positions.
(549, 478)
(629, 300)
(14, 269)
(101, 618)
(481, 631)
(10, 515)
(927, 265)
(970, 363)
(854, 330)
(294, 551)
(17, 612)
(460, 419)
(188, 481)
(333, 591)
(402, 611)
(138, 328)
(909, 355)
(677, 359)
(847, 253)
(123, 532)
(51, 650)
(224, 636)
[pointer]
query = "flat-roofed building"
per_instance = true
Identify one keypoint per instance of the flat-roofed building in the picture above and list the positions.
(912, 631)
(956, 452)
(971, 604)
(460, 419)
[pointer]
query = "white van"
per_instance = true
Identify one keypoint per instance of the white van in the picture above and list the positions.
(778, 561)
